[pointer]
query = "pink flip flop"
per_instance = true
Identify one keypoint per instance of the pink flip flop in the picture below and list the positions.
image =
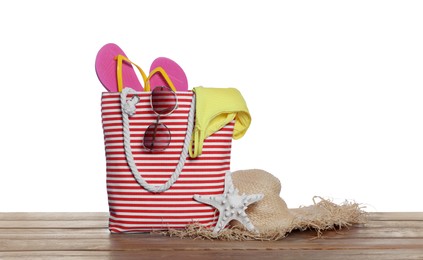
(173, 70)
(106, 64)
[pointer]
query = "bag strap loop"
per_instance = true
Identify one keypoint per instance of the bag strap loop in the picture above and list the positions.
(128, 149)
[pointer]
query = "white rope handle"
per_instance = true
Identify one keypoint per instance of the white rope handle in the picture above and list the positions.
(128, 108)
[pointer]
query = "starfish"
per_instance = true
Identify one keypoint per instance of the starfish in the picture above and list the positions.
(231, 205)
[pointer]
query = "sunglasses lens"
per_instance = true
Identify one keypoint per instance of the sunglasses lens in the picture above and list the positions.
(163, 100)
(156, 137)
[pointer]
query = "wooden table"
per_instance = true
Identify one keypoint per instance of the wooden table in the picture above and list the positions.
(85, 236)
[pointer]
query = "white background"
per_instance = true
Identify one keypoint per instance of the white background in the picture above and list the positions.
(335, 89)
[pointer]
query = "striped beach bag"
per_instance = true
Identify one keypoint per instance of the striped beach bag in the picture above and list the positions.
(150, 190)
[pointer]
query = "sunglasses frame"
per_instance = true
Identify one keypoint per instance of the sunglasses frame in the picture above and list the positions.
(157, 122)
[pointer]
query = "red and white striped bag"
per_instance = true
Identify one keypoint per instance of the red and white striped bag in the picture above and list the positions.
(132, 207)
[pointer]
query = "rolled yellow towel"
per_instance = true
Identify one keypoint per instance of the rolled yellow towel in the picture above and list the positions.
(215, 108)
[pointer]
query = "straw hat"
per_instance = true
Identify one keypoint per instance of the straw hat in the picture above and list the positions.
(271, 215)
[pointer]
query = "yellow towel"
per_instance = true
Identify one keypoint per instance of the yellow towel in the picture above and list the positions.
(215, 108)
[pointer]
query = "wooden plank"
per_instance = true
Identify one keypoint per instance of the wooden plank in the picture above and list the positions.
(145, 243)
(393, 224)
(100, 224)
(379, 229)
(54, 216)
(213, 254)
(85, 236)
(24, 220)
(363, 232)
(397, 216)
(33, 234)
(354, 232)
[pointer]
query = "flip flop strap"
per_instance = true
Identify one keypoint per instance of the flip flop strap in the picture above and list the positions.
(120, 58)
(165, 77)
(128, 149)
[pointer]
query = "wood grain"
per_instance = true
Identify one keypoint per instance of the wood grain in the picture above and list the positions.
(389, 235)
